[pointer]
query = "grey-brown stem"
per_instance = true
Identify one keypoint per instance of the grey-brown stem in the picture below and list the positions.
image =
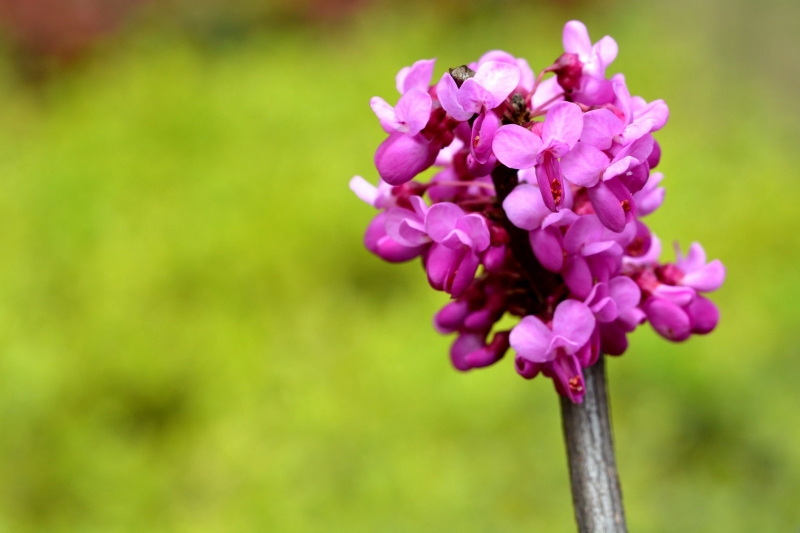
(596, 493)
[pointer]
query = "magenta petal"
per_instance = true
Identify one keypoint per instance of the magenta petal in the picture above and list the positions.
(704, 315)
(447, 92)
(678, 295)
(630, 319)
(587, 229)
(525, 207)
(394, 252)
(483, 131)
(594, 90)
(564, 217)
(604, 309)
(651, 196)
(480, 169)
(465, 344)
(578, 276)
(414, 109)
(530, 339)
(551, 182)
(490, 354)
(546, 245)
(584, 164)
(623, 101)
(668, 319)
(604, 266)
(411, 232)
(576, 38)
(625, 292)
(564, 123)
(574, 322)
(613, 340)
(375, 232)
(606, 50)
(639, 149)
(386, 114)
(620, 166)
(599, 128)
(365, 191)
(656, 112)
(527, 369)
(695, 259)
(480, 320)
(463, 275)
(635, 178)
(401, 157)
(655, 156)
(473, 97)
(451, 317)
(442, 219)
(706, 279)
(595, 248)
(497, 55)
(380, 244)
(474, 226)
(494, 259)
(441, 263)
(498, 78)
(417, 76)
(568, 377)
(405, 227)
(515, 146)
(588, 353)
(607, 207)
(635, 131)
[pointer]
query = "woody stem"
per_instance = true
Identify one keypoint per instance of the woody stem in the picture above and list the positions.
(596, 493)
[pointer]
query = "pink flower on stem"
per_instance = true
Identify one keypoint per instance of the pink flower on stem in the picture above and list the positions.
(593, 88)
(536, 219)
(483, 90)
(556, 345)
(458, 238)
(410, 115)
(518, 147)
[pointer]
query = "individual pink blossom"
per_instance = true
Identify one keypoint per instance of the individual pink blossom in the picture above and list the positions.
(696, 272)
(518, 147)
(402, 156)
(533, 340)
(594, 89)
(410, 115)
(484, 90)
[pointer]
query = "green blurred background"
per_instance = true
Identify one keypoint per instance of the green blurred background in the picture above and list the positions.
(192, 337)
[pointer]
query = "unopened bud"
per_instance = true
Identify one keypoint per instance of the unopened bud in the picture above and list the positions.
(568, 71)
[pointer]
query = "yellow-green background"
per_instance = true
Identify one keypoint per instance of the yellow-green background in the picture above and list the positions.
(192, 337)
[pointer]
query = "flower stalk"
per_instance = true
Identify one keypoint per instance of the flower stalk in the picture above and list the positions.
(596, 492)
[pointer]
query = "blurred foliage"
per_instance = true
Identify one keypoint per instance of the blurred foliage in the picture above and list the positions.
(192, 337)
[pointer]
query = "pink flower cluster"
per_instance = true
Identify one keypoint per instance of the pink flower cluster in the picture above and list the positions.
(535, 210)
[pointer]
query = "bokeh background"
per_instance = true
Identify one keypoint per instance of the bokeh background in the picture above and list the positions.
(192, 337)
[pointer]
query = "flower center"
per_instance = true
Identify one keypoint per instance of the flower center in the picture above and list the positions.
(575, 384)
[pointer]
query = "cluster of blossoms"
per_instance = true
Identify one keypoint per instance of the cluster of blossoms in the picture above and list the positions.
(535, 210)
